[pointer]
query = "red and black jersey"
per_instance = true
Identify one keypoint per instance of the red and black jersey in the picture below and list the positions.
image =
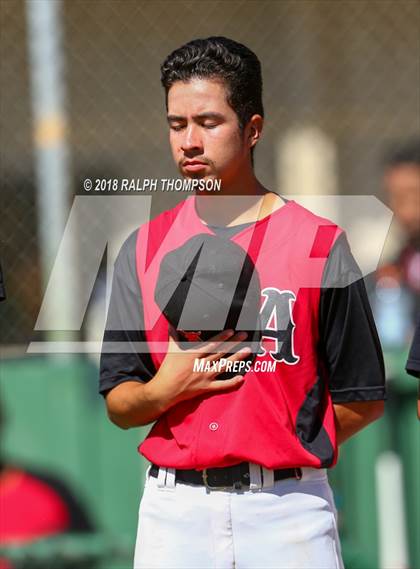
(280, 417)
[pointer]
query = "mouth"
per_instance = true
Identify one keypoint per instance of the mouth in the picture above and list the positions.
(193, 165)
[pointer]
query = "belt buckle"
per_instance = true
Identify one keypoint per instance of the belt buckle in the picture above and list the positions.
(207, 485)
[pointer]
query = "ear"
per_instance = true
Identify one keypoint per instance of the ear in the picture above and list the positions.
(254, 130)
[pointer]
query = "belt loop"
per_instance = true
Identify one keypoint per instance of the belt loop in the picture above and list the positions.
(268, 477)
(170, 478)
(298, 473)
(255, 479)
(161, 478)
(147, 473)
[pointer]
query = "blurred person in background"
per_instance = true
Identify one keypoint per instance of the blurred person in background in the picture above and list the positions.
(412, 366)
(402, 186)
(397, 292)
(398, 279)
(35, 505)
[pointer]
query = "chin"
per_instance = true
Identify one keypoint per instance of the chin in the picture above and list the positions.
(198, 176)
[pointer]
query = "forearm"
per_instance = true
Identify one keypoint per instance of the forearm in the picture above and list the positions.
(353, 417)
(134, 404)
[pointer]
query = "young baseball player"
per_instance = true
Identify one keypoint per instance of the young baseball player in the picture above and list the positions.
(250, 406)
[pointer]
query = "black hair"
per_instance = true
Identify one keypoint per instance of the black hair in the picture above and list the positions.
(219, 58)
(405, 153)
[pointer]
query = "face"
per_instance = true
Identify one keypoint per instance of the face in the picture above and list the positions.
(403, 187)
(205, 138)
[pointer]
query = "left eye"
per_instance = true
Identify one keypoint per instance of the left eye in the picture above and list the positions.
(210, 125)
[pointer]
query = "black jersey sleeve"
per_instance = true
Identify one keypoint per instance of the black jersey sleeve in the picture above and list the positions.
(349, 342)
(123, 357)
(413, 362)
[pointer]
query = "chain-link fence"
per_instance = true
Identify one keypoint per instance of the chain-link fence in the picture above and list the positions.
(341, 78)
(350, 69)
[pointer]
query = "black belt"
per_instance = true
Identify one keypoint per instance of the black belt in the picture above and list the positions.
(228, 477)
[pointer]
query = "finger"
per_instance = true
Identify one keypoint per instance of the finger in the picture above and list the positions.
(227, 347)
(223, 362)
(240, 354)
(220, 384)
(211, 345)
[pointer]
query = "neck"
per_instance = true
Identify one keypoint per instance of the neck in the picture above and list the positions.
(242, 199)
(242, 182)
(228, 209)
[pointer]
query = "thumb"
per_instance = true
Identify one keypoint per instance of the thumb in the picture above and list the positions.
(173, 340)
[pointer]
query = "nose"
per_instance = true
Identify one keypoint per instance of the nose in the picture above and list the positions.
(191, 140)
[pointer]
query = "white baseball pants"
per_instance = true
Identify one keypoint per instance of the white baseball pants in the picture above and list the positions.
(282, 525)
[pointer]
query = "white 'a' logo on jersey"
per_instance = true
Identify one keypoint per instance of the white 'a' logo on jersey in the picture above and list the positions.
(277, 324)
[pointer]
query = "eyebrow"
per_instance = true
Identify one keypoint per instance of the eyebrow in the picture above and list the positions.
(210, 115)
